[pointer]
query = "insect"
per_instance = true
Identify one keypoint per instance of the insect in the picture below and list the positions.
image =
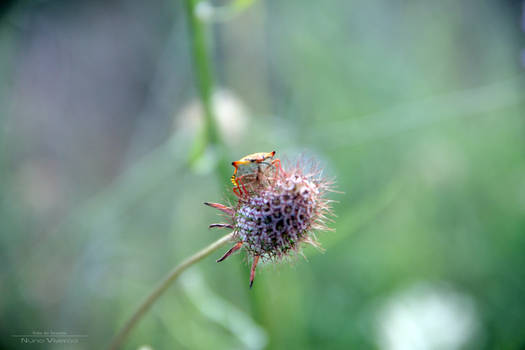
(248, 172)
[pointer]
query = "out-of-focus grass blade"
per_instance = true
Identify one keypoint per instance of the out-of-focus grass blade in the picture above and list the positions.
(459, 104)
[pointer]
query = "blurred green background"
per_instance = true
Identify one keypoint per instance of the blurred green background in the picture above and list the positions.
(416, 107)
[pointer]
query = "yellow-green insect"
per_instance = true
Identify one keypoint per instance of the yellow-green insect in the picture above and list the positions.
(245, 173)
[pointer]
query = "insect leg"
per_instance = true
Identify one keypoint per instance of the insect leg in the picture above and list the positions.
(241, 187)
(237, 192)
(277, 164)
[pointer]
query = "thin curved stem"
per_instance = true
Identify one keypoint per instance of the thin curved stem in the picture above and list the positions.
(118, 340)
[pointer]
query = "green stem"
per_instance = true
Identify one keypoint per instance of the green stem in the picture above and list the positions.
(203, 71)
(204, 79)
(119, 339)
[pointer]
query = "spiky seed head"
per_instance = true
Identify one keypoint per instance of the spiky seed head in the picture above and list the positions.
(277, 212)
(274, 220)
